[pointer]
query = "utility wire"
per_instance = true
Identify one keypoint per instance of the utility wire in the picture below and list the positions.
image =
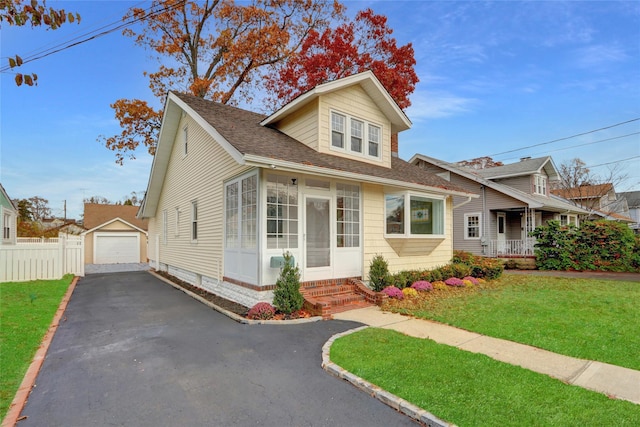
(614, 162)
(578, 145)
(565, 138)
(89, 36)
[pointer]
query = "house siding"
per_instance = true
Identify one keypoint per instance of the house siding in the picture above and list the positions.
(197, 176)
(354, 102)
(522, 183)
(302, 125)
(424, 253)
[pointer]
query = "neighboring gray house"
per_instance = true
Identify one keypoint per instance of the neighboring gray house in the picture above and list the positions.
(514, 199)
(8, 218)
(633, 202)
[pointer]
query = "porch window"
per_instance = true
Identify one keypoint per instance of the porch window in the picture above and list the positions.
(194, 220)
(348, 215)
(177, 223)
(231, 215)
(337, 130)
(569, 220)
(540, 185)
(249, 218)
(425, 216)
(241, 213)
(472, 226)
(282, 212)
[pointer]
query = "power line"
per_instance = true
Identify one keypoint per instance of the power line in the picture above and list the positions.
(565, 138)
(614, 162)
(580, 145)
(93, 35)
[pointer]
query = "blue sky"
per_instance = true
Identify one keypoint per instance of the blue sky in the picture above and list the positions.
(494, 77)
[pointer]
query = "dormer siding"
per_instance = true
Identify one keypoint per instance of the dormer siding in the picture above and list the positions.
(302, 125)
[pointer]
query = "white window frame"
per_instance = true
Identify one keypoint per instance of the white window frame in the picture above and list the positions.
(282, 219)
(367, 136)
(6, 227)
(177, 222)
(570, 219)
(467, 227)
(194, 221)
(241, 217)
(348, 215)
(185, 141)
(540, 185)
(407, 196)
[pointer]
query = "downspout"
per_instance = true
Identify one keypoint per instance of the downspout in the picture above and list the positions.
(483, 239)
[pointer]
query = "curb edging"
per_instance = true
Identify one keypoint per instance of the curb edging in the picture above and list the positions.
(409, 409)
(28, 381)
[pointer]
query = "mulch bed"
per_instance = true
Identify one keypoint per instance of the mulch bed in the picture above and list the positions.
(231, 306)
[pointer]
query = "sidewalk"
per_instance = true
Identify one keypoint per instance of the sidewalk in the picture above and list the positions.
(614, 381)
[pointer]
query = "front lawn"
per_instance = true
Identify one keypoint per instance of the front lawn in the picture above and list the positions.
(26, 312)
(588, 319)
(470, 389)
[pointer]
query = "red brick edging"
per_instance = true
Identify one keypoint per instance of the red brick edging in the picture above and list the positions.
(20, 400)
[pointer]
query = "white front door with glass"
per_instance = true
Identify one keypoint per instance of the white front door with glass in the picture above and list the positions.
(317, 237)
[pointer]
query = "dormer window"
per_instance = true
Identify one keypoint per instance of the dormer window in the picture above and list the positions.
(355, 136)
(337, 130)
(540, 185)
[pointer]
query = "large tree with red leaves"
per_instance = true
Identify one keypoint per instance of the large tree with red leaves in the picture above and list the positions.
(351, 48)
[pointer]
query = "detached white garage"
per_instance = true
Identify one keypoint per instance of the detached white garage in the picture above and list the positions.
(115, 235)
(116, 248)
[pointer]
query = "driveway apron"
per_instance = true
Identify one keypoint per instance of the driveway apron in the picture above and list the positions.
(133, 351)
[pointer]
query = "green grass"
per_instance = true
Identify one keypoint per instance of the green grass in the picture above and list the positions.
(470, 389)
(588, 319)
(26, 312)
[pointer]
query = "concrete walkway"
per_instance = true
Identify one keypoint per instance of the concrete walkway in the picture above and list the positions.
(614, 381)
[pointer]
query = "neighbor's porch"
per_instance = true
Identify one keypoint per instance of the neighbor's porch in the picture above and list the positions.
(512, 228)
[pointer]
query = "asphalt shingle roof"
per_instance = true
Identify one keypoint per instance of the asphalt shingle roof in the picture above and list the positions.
(242, 129)
(523, 167)
(96, 214)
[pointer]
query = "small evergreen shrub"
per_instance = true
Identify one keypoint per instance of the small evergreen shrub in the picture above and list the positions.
(409, 292)
(422, 286)
(286, 296)
(454, 282)
(262, 311)
(393, 292)
(378, 273)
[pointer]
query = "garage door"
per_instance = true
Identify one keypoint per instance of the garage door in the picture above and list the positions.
(118, 249)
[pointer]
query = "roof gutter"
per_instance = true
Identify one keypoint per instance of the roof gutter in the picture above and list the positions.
(469, 198)
(264, 162)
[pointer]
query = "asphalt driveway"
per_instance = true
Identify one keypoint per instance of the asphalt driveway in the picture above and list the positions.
(133, 351)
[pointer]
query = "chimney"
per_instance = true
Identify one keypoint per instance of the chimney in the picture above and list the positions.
(394, 145)
(522, 159)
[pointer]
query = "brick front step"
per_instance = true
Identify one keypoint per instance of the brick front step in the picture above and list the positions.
(334, 296)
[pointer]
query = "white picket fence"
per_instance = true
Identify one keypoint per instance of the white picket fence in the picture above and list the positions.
(44, 259)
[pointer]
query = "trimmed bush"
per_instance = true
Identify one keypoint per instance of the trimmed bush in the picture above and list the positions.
(262, 311)
(393, 292)
(409, 292)
(379, 273)
(454, 281)
(286, 296)
(422, 286)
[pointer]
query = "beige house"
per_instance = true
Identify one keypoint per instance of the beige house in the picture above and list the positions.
(230, 191)
(114, 235)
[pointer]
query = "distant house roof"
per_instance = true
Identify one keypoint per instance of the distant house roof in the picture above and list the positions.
(633, 198)
(523, 167)
(534, 201)
(246, 138)
(96, 214)
(4, 193)
(584, 191)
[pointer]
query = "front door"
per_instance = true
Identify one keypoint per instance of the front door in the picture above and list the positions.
(502, 232)
(317, 237)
